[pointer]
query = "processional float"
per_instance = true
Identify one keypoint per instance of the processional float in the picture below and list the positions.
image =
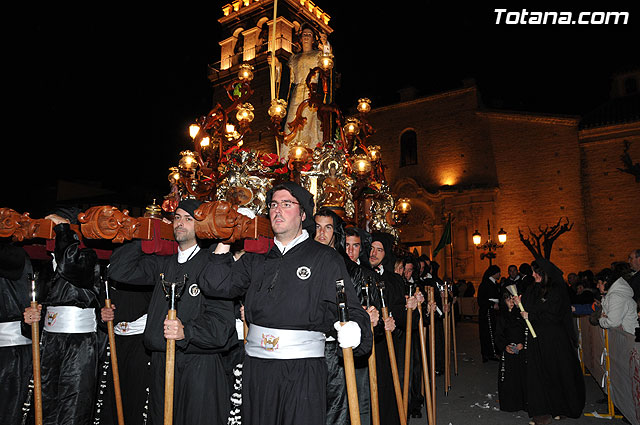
(338, 168)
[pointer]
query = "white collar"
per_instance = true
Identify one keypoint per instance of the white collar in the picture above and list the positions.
(357, 261)
(492, 279)
(380, 269)
(299, 239)
(184, 256)
(428, 276)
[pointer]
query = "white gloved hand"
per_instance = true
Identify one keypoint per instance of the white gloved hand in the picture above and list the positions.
(348, 334)
(246, 212)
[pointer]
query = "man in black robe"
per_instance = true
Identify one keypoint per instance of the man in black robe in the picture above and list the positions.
(526, 278)
(411, 275)
(69, 342)
(290, 304)
(204, 329)
(15, 348)
(330, 231)
(488, 298)
(129, 306)
(383, 260)
(513, 277)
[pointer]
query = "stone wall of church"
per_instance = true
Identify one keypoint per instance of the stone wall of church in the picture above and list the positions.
(453, 144)
(531, 162)
(538, 159)
(612, 197)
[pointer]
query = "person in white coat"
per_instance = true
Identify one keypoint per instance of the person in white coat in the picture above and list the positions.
(618, 306)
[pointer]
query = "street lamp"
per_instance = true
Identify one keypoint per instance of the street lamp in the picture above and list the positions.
(401, 213)
(489, 246)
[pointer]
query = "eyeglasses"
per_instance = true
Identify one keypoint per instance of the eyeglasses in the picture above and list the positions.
(285, 205)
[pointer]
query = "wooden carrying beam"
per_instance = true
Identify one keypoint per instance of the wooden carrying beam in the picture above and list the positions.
(214, 220)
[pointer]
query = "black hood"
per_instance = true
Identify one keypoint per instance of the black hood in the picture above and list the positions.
(386, 239)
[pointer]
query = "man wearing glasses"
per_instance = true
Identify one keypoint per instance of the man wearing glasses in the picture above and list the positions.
(290, 305)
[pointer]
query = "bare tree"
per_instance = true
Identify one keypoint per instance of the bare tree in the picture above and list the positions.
(540, 243)
(629, 166)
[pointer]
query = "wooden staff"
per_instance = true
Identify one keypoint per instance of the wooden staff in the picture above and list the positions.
(431, 407)
(35, 351)
(114, 359)
(347, 355)
(447, 348)
(169, 373)
(407, 356)
(455, 347)
(373, 375)
(432, 350)
(392, 359)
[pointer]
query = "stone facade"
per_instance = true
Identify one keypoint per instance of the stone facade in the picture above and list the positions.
(516, 170)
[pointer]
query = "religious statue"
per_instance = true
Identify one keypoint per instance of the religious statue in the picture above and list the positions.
(310, 134)
(334, 189)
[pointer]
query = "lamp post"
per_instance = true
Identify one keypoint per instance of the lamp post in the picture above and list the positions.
(489, 246)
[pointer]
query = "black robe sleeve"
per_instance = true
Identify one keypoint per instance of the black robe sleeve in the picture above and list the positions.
(226, 278)
(75, 265)
(128, 264)
(214, 327)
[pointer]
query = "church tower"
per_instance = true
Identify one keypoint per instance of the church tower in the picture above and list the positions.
(248, 37)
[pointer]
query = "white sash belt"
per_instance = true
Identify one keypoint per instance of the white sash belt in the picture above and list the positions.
(271, 343)
(10, 335)
(70, 320)
(131, 328)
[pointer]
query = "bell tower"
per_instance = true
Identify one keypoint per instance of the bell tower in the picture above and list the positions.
(248, 37)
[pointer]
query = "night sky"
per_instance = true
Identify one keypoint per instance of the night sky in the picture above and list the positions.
(106, 93)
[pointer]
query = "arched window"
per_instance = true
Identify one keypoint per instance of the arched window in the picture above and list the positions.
(408, 148)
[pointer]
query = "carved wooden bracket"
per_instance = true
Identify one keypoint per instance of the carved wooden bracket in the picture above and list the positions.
(107, 222)
(221, 220)
(20, 226)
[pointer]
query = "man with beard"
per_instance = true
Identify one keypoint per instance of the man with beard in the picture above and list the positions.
(290, 304)
(204, 329)
(383, 260)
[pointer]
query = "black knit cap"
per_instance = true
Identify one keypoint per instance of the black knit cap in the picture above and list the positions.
(189, 205)
(303, 196)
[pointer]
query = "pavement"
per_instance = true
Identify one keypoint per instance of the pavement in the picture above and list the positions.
(473, 398)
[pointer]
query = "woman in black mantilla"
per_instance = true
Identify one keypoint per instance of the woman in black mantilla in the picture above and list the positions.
(554, 378)
(511, 342)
